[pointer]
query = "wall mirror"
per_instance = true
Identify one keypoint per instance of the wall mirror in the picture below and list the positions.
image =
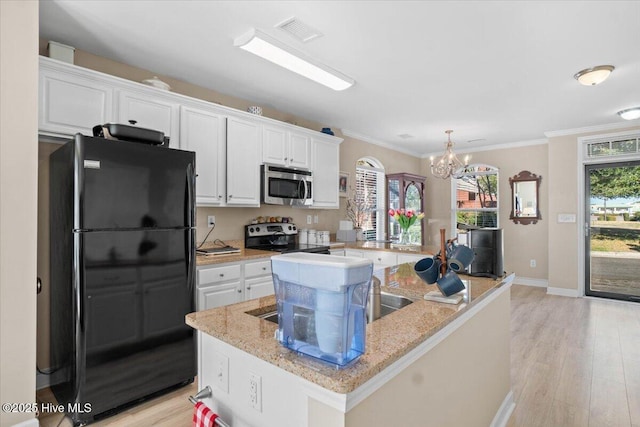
(525, 208)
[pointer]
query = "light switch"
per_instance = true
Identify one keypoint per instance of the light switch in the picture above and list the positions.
(565, 217)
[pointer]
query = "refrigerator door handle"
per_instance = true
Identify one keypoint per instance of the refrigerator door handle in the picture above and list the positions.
(189, 202)
(189, 249)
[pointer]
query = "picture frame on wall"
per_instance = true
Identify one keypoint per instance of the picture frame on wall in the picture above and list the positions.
(343, 184)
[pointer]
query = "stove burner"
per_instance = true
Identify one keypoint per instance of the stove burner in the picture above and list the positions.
(262, 236)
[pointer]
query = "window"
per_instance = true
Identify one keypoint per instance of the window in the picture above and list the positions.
(370, 181)
(476, 198)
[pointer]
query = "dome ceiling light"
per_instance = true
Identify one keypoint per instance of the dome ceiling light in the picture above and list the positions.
(595, 75)
(630, 113)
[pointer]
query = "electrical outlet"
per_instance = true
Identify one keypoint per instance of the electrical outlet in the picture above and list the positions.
(255, 391)
(315, 219)
(211, 220)
(221, 365)
(532, 263)
(308, 219)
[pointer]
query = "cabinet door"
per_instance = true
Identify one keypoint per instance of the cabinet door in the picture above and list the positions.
(299, 150)
(258, 287)
(204, 132)
(326, 162)
(219, 295)
(381, 258)
(274, 145)
(354, 253)
(150, 111)
(71, 103)
(244, 152)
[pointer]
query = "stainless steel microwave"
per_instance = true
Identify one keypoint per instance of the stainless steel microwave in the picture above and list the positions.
(286, 186)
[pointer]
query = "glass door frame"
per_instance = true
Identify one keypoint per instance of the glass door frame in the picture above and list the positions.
(587, 167)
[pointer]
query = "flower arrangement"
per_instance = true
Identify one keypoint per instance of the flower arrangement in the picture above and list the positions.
(406, 218)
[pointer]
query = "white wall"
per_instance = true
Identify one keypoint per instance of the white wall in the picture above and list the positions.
(18, 205)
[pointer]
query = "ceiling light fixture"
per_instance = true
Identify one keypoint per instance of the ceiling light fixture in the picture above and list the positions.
(594, 75)
(285, 56)
(448, 165)
(630, 113)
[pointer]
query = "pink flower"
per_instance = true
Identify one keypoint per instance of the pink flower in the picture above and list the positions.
(409, 213)
(392, 212)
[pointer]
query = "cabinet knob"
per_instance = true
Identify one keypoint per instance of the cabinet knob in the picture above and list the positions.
(285, 158)
(219, 196)
(230, 196)
(379, 259)
(221, 274)
(248, 288)
(264, 268)
(239, 291)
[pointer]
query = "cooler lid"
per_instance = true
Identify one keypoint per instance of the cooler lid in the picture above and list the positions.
(328, 272)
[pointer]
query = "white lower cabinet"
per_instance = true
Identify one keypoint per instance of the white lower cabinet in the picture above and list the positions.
(219, 285)
(385, 258)
(224, 284)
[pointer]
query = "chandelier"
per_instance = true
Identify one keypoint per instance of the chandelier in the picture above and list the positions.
(448, 165)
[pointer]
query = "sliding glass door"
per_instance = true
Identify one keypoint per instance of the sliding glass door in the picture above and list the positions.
(613, 230)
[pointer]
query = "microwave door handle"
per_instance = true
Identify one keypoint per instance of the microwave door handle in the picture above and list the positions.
(304, 184)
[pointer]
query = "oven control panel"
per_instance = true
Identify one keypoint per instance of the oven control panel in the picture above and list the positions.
(270, 228)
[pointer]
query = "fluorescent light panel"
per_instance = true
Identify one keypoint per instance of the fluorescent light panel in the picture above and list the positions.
(280, 54)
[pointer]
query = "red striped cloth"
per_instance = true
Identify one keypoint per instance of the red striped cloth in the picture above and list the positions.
(203, 416)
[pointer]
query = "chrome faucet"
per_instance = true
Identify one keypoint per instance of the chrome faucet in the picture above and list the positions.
(373, 305)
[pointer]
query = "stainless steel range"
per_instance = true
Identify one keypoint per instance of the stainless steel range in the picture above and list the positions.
(278, 237)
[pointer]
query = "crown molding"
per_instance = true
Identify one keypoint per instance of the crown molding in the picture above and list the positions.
(516, 144)
(368, 139)
(587, 129)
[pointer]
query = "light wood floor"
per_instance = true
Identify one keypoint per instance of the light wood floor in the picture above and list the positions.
(574, 362)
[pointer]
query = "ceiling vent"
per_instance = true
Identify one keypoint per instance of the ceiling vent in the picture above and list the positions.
(299, 30)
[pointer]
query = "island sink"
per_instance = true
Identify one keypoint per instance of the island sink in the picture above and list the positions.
(389, 303)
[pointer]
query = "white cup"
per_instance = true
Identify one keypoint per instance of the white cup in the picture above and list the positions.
(303, 236)
(312, 237)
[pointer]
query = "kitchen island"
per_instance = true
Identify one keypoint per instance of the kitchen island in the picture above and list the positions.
(426, 364)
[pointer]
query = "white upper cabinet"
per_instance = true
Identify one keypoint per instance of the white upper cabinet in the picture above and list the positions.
(72, 102)
(326, 163)
(230, 145)
(244, 154)
(204, 132)
(151, 110)
(299, 150)
(283, 147)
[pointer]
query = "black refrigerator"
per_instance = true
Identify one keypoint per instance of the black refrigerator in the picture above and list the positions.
(122, 260)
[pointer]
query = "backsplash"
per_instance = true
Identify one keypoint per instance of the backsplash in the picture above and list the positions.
(230, 222)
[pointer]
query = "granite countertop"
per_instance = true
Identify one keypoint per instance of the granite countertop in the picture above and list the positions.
(248, 254)
(385, 345)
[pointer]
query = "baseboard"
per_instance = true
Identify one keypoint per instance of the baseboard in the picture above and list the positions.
(504, 412)
(563, 292)
(33, 422)
(528, 281)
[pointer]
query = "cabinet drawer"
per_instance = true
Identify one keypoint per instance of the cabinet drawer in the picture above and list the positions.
(253, 269)
(218, 274)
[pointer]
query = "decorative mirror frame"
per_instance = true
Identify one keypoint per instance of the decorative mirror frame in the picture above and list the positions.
(525, 176)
